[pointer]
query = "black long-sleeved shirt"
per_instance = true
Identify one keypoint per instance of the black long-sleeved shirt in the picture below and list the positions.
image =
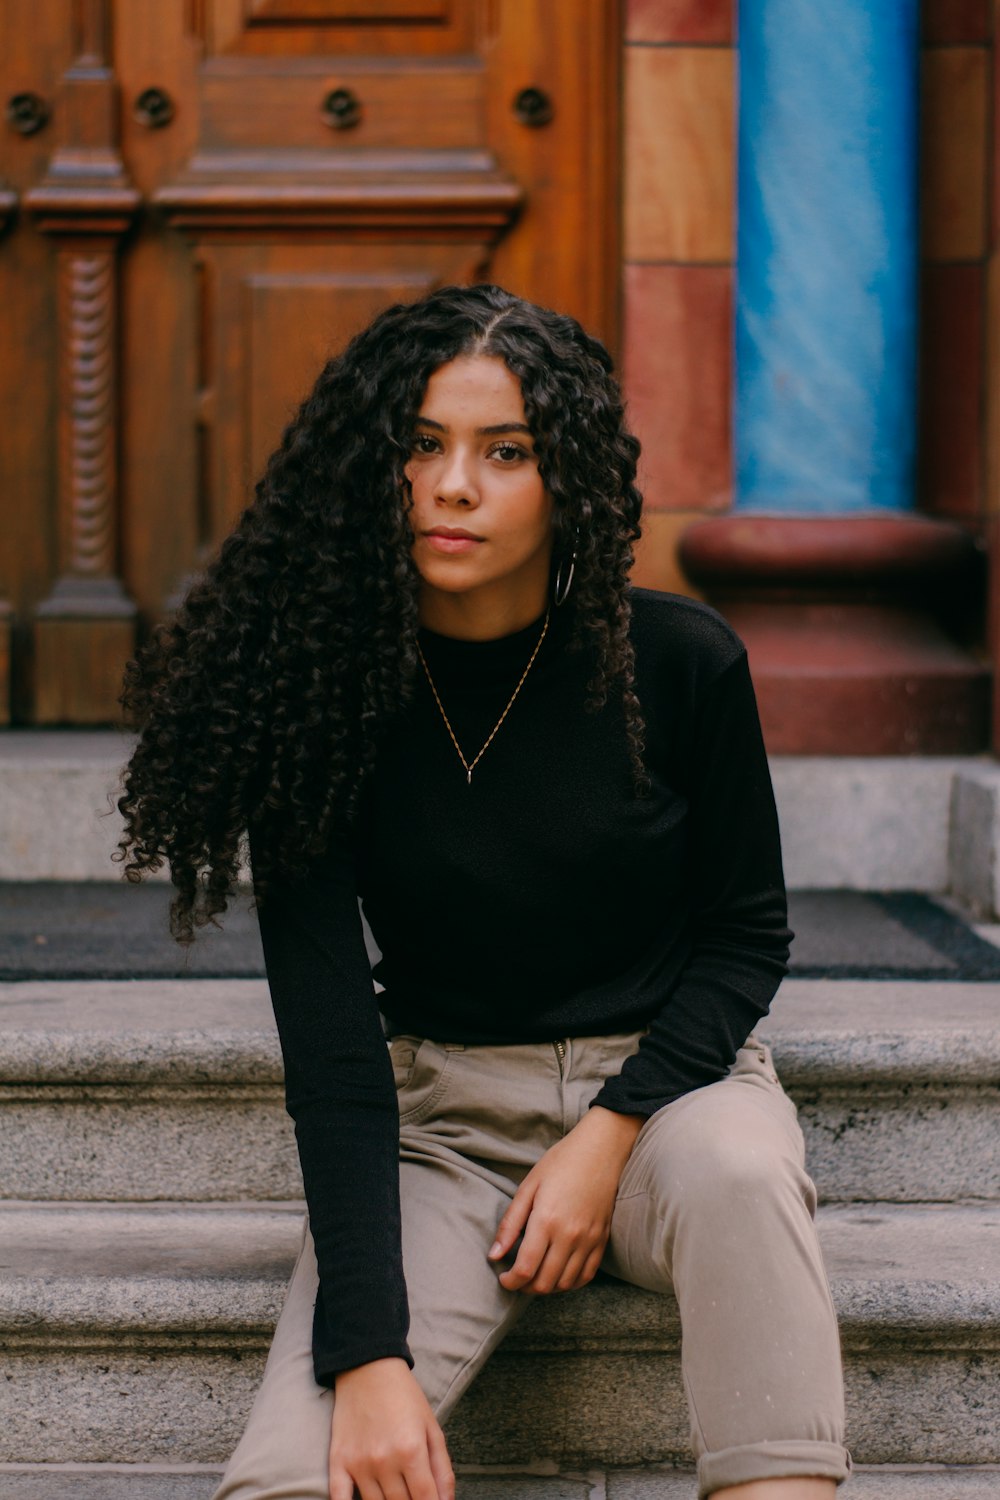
(541, 901)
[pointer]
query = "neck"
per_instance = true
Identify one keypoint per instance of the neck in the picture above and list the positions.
(470, 617)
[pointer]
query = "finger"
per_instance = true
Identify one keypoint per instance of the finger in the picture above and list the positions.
(405, 1487)
(394, 1487)
(534, 1247)
(417, 1481)
(569, 1278)
(591, 1266)
(513, 1221)
(441, 1469)
(341, 1483)
(363, 1482)
(549, 1271)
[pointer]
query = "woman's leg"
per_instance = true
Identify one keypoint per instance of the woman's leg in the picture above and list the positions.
(473, 1121)
(716, 1205)
(458, 1312)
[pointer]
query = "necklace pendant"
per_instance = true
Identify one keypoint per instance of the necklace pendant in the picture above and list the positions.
(468, 777)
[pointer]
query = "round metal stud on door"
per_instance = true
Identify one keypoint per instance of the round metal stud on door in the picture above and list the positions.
(27, 113)
(534, 107)
(342, 109)
(154, 108)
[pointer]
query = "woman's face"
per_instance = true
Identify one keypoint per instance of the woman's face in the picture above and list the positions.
(481, 516)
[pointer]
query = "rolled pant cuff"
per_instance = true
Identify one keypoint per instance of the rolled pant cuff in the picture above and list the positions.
(793, 1459)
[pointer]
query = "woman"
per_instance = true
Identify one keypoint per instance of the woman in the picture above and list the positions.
(416, 672)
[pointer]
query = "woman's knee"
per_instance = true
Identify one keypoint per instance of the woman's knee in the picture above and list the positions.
(721, 1158)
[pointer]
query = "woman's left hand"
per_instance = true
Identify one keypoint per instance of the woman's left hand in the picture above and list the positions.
(564, 1206)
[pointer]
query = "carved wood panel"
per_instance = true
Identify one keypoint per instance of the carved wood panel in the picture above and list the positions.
(402, 28)
(272, 317)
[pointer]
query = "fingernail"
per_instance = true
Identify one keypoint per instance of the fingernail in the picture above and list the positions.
(495, 1248)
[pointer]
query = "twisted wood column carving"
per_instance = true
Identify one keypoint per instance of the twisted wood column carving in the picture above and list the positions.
(84, 628)
(87, 397)
(8, 205)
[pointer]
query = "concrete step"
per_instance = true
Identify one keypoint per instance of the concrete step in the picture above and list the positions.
(107, 1311)
(153, 1482)
(139, 1090)
(922, 823)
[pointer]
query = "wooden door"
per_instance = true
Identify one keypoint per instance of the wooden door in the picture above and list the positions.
(223, 191)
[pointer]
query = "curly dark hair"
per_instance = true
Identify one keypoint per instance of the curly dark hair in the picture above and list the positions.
(262, 701)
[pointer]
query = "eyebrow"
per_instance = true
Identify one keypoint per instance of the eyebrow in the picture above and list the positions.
(480, 431)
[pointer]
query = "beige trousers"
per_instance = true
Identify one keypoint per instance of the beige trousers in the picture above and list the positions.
(714, 1205)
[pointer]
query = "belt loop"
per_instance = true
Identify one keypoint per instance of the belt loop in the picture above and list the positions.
(454, 1046)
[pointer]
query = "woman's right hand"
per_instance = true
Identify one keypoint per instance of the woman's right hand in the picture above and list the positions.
(385, 1439)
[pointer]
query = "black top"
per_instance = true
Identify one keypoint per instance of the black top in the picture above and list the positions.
(541, 901)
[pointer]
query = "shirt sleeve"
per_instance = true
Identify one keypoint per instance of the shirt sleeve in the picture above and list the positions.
(739, 934)
(339, 1091)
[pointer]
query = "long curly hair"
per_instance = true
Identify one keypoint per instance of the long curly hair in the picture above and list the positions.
(262, 701)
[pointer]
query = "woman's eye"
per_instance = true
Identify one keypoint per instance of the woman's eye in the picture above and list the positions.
(424, 443)
(508, 453)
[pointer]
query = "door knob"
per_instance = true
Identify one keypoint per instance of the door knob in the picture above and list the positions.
(534, 107)
(27, 113)
(341, 109)
(153, 108)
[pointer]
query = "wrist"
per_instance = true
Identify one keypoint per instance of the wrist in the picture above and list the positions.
(621, 1130)
(374, 1371)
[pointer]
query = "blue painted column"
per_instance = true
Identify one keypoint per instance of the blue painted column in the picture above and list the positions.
(827, 256)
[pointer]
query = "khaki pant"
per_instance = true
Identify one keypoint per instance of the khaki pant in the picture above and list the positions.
(714, 1204)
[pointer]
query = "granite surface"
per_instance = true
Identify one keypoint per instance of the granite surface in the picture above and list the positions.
(173, 1090)
(144, 1482)
(869, 822)
(974, 839)
(900, 1274)
(150, 1031)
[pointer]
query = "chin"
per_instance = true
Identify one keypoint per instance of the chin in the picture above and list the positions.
(453, 579)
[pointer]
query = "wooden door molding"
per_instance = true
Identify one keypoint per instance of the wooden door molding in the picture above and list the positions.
(566, 252)
(84, 629)
(418, 206)
(349, 139)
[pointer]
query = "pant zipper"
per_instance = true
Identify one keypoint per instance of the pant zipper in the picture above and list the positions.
(561, 1055)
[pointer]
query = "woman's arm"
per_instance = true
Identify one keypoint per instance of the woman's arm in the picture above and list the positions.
(339, 1089)
(739, 950)
(739, 934)
(340, 1093)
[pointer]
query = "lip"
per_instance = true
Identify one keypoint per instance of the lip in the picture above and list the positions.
(452, 531)
(452, 539)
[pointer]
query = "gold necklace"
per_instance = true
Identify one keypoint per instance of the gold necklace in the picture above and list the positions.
(470, 767)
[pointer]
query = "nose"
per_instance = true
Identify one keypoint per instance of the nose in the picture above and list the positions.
(456, 479)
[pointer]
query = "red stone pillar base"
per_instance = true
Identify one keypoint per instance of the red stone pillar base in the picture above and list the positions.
(842, 617)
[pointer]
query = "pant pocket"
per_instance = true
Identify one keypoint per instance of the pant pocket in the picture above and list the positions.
(421, 1068)
(755, 1063)
(755, 1057)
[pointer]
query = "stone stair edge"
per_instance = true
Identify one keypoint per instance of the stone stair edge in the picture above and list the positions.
(489, 1482)
(929, 823)
(221, 1032)
(903, 1276)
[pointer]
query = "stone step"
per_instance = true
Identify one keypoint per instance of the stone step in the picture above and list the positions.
(153, 1482)
(107, 1311)
(906, 822)
(166, 1089)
